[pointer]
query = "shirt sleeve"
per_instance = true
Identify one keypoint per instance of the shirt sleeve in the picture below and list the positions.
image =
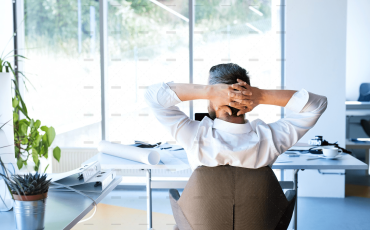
(161, 99)
(305, 110)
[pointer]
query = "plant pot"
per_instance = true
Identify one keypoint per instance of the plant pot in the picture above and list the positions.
(29, 211)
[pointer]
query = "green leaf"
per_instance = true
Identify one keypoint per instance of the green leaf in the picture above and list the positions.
(37, 140)
(15, 102)
(16, 151)
(31, 123)
(37, 166)
(44, 128)
(47, 166)
(23, 129)
(46, 152)
(23, 106)
(51, 135)
(42, 151)
(25, 141)
(19, 163)
(35, 156)
(15, 117)
(57, 153)
(37, 124)
(45, 139)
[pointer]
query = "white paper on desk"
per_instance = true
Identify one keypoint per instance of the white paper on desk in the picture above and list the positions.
(147, 156)
(171, 161)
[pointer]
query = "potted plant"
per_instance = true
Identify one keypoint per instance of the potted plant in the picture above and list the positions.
(30, 193)
(30, 138)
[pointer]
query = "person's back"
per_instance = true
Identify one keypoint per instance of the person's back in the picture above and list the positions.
(227, 139)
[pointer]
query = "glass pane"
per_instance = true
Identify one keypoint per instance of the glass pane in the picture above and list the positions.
(148, 43)
(63, 66)
(244, 32)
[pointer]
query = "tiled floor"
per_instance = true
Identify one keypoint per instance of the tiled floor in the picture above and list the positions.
(125, 209)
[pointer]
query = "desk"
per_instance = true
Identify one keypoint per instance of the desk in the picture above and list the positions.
(63, 209)
(301, 163)
(295, 163)
(111, 162)
(359, 145)
(356, 109)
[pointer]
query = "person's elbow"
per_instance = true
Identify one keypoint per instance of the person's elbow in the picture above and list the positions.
(323, 104)
(151, 96)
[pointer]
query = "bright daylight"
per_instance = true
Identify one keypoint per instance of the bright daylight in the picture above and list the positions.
(184, 114)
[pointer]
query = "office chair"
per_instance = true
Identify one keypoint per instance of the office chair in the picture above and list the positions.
(232, 198)
(364, 92)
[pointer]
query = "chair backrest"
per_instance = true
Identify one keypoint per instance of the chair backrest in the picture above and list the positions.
(364, 92)
(227, 197)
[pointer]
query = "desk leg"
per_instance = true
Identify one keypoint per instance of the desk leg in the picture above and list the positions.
(295, 220)
(149, 200)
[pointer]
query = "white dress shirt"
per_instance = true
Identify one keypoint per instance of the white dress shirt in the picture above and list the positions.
(216, 142)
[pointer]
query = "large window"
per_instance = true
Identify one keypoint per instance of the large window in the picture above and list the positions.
(63, 68)
(243, 32)
(148, 42)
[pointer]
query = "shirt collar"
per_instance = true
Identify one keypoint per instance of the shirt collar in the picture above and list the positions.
(232, 127)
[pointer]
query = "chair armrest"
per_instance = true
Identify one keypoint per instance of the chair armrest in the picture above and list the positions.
(181, 221)
(290, 195)
(287, 216)
(174, 194)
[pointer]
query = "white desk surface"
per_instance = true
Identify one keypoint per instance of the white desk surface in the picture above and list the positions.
(357, 145)
(353, 103)
(358, 112)
(63, 209)
(345, 162)
(113, 162)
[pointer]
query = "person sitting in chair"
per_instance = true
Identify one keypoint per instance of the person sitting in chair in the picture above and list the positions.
(227, 138)
(232, 186)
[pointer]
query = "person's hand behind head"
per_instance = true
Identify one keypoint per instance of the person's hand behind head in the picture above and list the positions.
(222, 95)
(247, 98)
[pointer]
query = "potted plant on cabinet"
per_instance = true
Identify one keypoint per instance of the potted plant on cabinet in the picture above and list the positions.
(30, 193)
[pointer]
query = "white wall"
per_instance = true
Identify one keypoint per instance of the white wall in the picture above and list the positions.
(6, 29)
(358, 47)
(316, 61)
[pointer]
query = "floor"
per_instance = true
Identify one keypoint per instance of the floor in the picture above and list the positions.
(126, 209)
